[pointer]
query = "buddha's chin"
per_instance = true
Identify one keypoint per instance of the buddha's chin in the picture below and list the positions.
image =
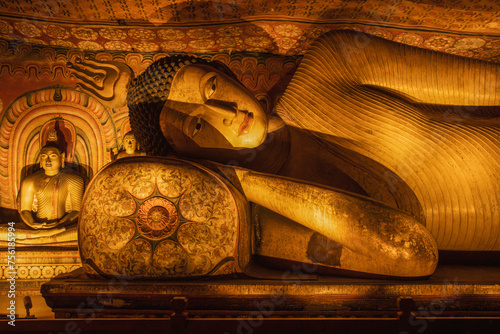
(252, 139)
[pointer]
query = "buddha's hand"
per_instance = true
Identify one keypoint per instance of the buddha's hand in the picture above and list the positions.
(47, 226)
(28, 219)
(68, 218)
(41, 226)
(105, 80)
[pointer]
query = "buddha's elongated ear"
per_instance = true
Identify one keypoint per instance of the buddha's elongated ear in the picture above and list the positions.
(63, 158)
(274, 122)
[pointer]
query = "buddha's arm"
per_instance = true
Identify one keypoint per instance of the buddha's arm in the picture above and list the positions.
(75, 194)
(394, 243)
(27, 218)
(75, 187)
(26, 197)
(67, 219)
(423, 76)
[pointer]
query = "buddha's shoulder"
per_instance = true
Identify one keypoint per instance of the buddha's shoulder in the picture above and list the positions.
(345, 40)
(69, 174)
(342, 35)
(33, 177)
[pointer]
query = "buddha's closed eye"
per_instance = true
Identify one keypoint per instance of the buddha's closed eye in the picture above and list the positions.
(210, 87)
(195, 126)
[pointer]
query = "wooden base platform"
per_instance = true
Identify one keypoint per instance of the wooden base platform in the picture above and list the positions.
(466, 299)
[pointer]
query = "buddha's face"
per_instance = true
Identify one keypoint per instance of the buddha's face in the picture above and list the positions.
(129, 143)
(213, 110)
(51, 160)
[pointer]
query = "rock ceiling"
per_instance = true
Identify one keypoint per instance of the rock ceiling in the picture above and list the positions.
(286, 27)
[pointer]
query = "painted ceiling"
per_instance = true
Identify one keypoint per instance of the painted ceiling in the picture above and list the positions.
(285, 27)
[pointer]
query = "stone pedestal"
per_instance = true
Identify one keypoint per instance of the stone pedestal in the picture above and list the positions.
(456, 291)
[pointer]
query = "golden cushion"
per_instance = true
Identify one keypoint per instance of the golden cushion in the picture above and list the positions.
(152, 217)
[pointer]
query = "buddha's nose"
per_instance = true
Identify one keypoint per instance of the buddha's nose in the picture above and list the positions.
(228, 110)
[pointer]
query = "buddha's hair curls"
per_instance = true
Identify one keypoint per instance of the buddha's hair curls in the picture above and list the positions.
(147, 94)
(54, 145)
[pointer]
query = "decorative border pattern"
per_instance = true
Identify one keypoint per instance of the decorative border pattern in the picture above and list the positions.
(45, 272)
(35, 267)
(279, 37)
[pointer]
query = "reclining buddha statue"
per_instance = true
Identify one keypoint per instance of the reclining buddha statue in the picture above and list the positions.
(378, 152)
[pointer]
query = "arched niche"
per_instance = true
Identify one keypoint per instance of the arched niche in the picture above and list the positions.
(88, 127)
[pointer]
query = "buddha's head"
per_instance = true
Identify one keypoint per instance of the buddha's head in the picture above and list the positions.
(204, 106)
(213, 110)
(51, 159)
(130, 144)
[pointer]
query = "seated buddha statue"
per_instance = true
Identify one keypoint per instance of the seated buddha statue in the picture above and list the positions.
(371, 142)
(51, 197)
(130, 147)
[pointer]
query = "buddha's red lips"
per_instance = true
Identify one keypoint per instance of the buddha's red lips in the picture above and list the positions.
(246, 124)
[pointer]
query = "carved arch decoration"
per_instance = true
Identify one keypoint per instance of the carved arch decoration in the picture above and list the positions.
(24, 125)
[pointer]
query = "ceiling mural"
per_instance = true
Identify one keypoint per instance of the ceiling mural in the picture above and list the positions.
(441, 14)
(285, 27)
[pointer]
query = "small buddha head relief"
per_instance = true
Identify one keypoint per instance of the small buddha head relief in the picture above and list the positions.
(207, 107)
(130, 144)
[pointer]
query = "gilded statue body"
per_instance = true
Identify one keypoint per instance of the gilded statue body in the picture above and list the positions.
(430, 119)
(369, 144)
(51, 197)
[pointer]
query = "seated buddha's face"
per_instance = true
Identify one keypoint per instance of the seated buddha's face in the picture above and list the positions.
(212, 110)
(51, 160)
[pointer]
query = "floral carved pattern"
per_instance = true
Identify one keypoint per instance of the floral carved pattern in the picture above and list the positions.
(291, 38)
(170, 259)
(157, 218)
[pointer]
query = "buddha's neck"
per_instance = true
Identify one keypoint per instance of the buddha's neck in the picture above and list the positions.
(269, 157)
